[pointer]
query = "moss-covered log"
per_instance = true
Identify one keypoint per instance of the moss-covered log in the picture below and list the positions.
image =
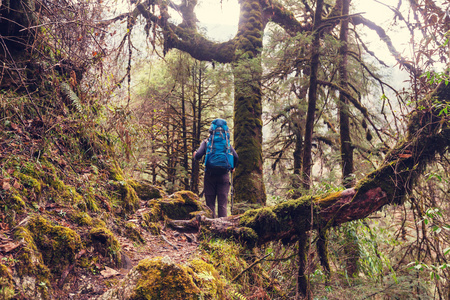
(428, 135)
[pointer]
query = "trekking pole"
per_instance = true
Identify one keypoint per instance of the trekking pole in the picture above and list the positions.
(232, 193)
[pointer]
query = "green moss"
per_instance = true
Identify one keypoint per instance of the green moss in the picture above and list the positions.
(389, 182)
(181, 205)
(208, 279)
(128, 199)
(154, 213)
(91, 203)
(58, 244)
(132, 231)
(115, 172)
(106, 243)
(162, 279)
(81, 218)
(330, 198)
(29, 182)
(30, 264)
(15, 203)
(260, 220)
(154, 228)
(98, 223)
(146, 191)
(6, 283)
(226, 256)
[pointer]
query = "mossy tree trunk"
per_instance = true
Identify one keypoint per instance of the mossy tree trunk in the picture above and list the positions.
(248, 177)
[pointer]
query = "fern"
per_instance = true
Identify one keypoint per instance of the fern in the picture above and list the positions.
(238, 296)
(67, 90)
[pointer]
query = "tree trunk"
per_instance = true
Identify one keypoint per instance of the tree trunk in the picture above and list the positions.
(197, 78)
(351, 243)
(312, 99)
(184, 135)
(344, 120)
(248, 177)
(297, 157)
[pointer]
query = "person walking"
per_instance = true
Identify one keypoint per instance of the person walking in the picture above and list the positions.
(220, 160)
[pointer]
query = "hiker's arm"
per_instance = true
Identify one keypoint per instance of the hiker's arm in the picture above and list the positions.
(236, 157)
(200, 151)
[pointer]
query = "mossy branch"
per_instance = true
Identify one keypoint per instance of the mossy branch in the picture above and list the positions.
(428, 136)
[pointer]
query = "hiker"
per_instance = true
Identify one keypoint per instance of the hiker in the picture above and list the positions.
(220, 159)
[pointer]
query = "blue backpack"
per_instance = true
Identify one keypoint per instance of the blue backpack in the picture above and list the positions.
(219, 157)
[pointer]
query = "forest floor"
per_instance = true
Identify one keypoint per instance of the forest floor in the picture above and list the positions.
(91, 283)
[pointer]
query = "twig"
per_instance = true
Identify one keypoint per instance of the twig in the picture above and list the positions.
(167, 241)
(248, 268)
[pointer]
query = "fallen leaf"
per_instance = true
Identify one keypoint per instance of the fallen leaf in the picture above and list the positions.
(108, 272)
(17, 185)
(6, 186)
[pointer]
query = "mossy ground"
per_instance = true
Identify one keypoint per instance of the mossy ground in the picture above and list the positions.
(67, 212)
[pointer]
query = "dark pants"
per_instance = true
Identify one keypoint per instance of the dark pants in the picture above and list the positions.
(217, 186)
